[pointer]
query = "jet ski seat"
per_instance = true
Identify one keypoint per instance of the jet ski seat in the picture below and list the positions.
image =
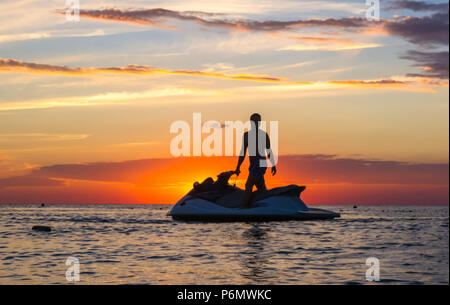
(226, 195)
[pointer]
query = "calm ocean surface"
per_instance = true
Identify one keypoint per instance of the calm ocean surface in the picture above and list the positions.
(139, 244)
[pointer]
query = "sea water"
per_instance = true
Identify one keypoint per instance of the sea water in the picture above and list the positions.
(139, 244)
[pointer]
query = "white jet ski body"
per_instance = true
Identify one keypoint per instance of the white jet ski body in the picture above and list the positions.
(215, 201)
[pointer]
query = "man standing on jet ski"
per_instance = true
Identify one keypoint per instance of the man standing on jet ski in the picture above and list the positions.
(258, 143)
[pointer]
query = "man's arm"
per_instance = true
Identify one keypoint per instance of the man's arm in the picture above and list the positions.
(242, 153)
(270, 155)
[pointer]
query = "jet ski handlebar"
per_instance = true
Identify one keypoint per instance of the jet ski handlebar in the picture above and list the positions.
(222, 179)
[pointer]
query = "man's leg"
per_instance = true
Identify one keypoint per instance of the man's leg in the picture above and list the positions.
(260, 183)
(245, 204)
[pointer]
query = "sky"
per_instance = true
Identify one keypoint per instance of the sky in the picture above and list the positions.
(86, 106)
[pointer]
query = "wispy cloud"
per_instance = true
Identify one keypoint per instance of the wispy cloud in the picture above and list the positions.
(50, 34)
(416, 6)
(134, 144)
(373, 84)
(109, 98)
(424, 30)
(41, 136)
(12, 65)
(23, 36)
(433, 64)
(311, 44)
(155, 17)
(298, 65)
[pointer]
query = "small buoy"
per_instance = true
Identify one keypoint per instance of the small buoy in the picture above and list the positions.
(354, 206)
(42, 228)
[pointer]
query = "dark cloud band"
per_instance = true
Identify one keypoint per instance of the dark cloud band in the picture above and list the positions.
(424, 30)
(155, 16)
(434, 64)
(310, 168)
(416, 6)
(428, 31)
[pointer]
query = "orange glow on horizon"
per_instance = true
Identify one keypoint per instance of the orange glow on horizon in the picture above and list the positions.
(164, 181)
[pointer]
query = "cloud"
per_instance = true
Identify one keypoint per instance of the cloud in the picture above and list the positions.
(329, 44)
(11, 65)
(33, 180)
(416, 6)
(324, 40)
(25, 36)
(133, 144)
(41, 137)
(298, 65)
(10, 166)
(434, 64)
(109, 98)
(335, 169)
(373, 84)
(154, 17)
(51, 34)
(427, 31)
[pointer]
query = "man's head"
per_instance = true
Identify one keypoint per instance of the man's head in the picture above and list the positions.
(256, 119)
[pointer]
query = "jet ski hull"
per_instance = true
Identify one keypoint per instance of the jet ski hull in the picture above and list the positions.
(311, 214)
(282, 208)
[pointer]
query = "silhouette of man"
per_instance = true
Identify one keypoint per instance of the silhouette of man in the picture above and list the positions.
(258, 143)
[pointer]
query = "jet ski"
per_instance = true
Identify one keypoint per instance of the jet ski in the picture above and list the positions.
(218, 201)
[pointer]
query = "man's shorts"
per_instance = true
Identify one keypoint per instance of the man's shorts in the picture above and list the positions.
(256, 178)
